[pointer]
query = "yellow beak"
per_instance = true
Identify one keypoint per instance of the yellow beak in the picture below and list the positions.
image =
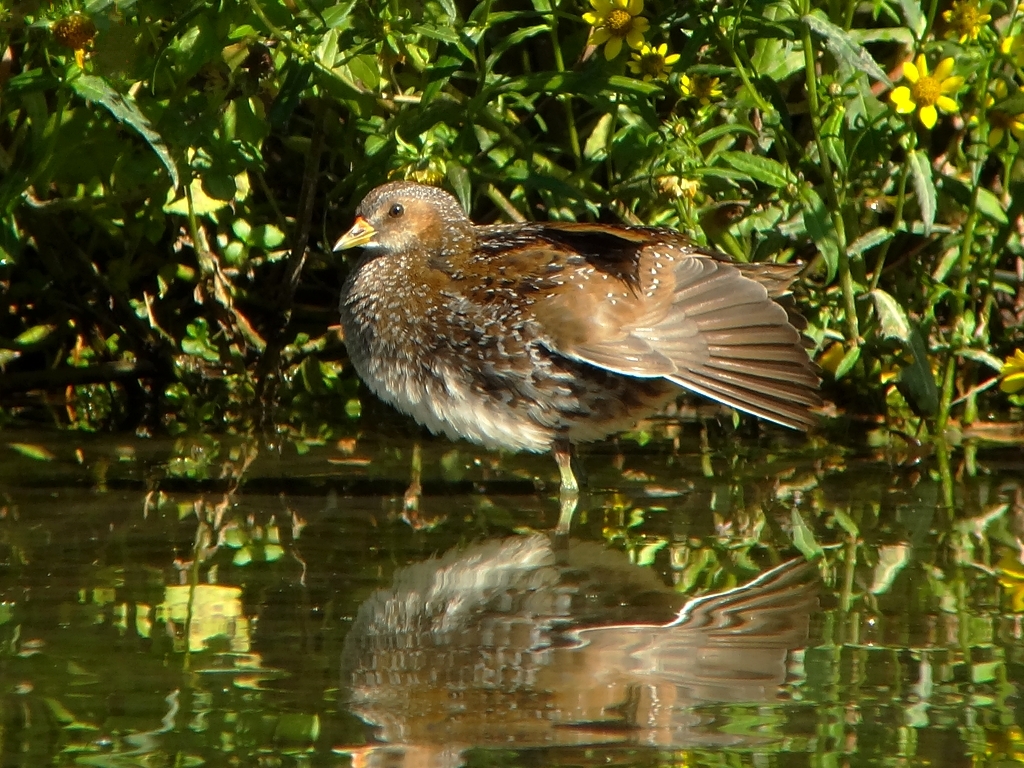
(361, 233)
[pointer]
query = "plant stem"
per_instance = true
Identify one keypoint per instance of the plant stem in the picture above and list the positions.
(566, 99)
(897, 218)
(964, 267)
(834, 198)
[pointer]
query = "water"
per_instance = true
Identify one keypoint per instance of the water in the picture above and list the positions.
(188, 602)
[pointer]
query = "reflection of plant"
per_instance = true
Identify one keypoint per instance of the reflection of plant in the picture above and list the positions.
(1011, 576)
(209, 611)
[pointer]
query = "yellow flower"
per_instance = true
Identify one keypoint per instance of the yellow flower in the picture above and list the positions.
(999, 122)
(966, 18)
(700, 87)
(614, 21)
(653, 63)
(678, 187)
(1013, 47)
(927, 92)
(1012, 373)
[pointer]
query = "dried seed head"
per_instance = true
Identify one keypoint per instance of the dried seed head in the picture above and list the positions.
(74, 31)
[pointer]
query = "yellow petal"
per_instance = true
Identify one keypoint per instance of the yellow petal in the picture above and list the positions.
(928, 115)
(951, 84)
(591, 19)
(947, 15)
(612, 49)
(910, 72)
(1017, 127)
(661, 50)
(671, 59)
(603, 7)
(995, 137)
(944, 69)
(900, 97)
(600, 35)
(635, 38)
(1013, 383)
(947, 105)
(922, 65)
(635, 7)
(1013, 364)
(634, 67)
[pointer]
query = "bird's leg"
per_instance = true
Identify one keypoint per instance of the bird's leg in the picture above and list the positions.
(566, 509)
(411, 501)
(563, 455)
(569, 489)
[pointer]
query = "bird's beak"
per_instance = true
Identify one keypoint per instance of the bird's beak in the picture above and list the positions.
(361, 233)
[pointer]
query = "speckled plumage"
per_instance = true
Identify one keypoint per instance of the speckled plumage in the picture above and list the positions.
(523, 336)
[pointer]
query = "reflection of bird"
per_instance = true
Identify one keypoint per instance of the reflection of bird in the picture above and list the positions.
(519, 642)
(538, 336)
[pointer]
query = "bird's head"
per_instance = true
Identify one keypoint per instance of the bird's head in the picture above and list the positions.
(404, 217)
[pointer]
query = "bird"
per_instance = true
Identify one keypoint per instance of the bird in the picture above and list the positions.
(539, 336)
(539, 641)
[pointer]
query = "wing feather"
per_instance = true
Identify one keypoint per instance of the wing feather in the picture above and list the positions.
(714, 328)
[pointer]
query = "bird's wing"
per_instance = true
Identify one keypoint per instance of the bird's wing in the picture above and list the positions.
(707, 324)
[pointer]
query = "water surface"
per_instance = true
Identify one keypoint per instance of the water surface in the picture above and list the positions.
(197, 602)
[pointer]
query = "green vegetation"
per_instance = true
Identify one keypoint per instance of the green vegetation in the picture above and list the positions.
(166, 173)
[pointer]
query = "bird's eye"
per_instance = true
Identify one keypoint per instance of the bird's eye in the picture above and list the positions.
(396, 210)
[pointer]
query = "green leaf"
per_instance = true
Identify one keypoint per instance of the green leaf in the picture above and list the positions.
(713, 134)
(458, 176)
(34, 80)
(924, 188)
(894, 321)
(869, 240)
(846, 364)
(916, 381)
(265, 236)
(336, 15)
(514, 39)
(916, 20)
(832, 138)
(125, 110)
(990, 207)
(1011, 105)
(980, 356)
(218, 184)
(438, 74)
(819, 227)
(596, 147)
(581, 83)
(366, 70)
(845, 49)
(759, 168)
